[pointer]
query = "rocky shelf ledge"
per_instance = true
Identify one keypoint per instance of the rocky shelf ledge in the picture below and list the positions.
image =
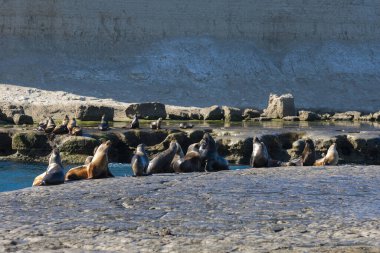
(331, 209)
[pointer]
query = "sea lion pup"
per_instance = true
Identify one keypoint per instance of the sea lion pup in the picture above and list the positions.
(186, 125)
(135, 122)
(260, 156)
(211, 160)
(156, 124)
(178, 159)
(62, 129)
(308, 153)
(54, 174)
(331, 158)
(161, 163)
(103, 126)
(50, 126)
(192, 160)
(140, 161)
(97, 168)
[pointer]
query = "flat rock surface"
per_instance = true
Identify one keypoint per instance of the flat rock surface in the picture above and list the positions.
(302, 209)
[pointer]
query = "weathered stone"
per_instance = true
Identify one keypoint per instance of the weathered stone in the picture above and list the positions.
(31, 143)
(259, 119)
(183, 113)
(93, 112)
(291, 118)
(346, 116)
(251, 113)
(212, 113)
(308, 116)
(366, 148)
(280, 106)
(376, 116)
(72, 145)
(21, 119)
(325, 116)
(10, 110)
(148, 111)
(5, 144)
(368, 117)
(148, 137)
(232, 113)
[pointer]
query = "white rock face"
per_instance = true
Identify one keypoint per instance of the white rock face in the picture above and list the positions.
(280, 106)
(196, 53)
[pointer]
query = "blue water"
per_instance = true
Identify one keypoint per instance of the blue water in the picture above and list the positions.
(14, 175)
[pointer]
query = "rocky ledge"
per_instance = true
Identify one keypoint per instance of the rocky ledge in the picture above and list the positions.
(330, 209)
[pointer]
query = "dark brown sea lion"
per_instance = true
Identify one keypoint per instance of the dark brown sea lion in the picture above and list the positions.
(192, 160)
(308, 153)
(103, 126)
(156, 124)
(331, 158)
(50, 125)
(54, 174)
(62, 129)
(140, 161)
(72, 123)
(211, 160)
(178, 159)
(260, 156)
(97, 168)
(135, 122)
(161, 163)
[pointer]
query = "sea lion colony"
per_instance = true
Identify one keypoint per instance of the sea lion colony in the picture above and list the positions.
(200, 157)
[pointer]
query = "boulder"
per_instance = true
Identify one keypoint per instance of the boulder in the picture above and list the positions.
(10, 110)
(232, 113)
(148, 111)
(212, 113)
(325, 116)
(31, 143)
(368, 117)
(376, 116)
(93, 112)
(21, 119)
(346, 116)
(280, 106)
(5, 144)
(149, 138)
(183, 113)
(308, 116)
(250, 113)
(58, 111)
(78, 145)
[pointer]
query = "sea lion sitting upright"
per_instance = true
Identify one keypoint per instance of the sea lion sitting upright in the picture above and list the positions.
(260, 156)
(211, 160)
(62, 129)
(73, 128)
(156, 124)
(103, 126)
(42, 125)
(177, 160)
(308, 153)
(135, 122)
(161, 163)
(140, 161)
(192, 160)
(97, 168)
(50, 125)
(54, 174)
(331, 158)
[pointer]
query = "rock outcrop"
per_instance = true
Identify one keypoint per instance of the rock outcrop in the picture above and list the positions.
(280, 106)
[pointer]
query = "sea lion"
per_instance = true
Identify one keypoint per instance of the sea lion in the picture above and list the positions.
(211, 160)
(161, 163)
(50, 125)
(135, 122)
(186, 125)
(308, 153)
(42, 125)
(192, 160)
(178, 159)
(72, 123)
(103, 126)
(260, 156)
(156, 124)
(54, 174)
(62, 129)
(140, 161)
(97, 168)
(331, 158)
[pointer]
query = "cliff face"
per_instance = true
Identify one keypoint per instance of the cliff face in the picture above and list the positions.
(197, 52)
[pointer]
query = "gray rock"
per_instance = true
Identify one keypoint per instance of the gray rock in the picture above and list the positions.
(31, 143)
(232, 113)
(21, 119)
(5, 144)
(183, 113)
(94, 112)
(251, 113)
(376, 116)
(10, 110)
(308, 116)
(291, 118)
(149, 111)
(346, 116)
(212, 113)
(260, 119)
(368, 117)
(280, 106)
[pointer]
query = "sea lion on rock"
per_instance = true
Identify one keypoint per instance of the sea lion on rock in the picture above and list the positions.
(42, 125)
(177, 160)
(103, 126)
(260, 156)
(192, 160)
(62, 129)
(97, 168)
(331, 158)
(73, 128)
(156, 124)
(211, 160)
(54, 174)
(135, 122)
(140, 161)
(161, 163)
(50, 125)
(308, 153)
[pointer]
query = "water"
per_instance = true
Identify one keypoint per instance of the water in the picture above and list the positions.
(14, 175)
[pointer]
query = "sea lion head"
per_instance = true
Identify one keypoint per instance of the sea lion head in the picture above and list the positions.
(141, 148)
(104, 147)
(55, 157)
(193, 148)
